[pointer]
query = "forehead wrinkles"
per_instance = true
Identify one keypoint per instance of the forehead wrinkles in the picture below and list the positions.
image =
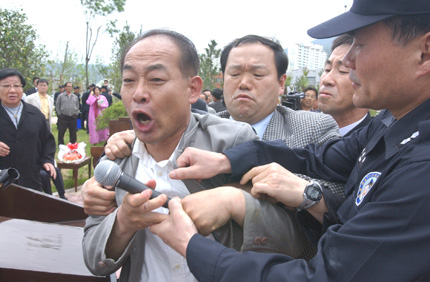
(142, 58)
(246, 66)
(147, 68)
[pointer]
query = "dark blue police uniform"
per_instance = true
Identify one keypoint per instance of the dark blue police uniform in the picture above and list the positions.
(380, 232)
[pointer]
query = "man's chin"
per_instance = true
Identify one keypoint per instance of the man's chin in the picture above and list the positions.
(359, 102)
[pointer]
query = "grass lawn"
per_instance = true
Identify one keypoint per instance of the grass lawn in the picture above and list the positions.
(82, 136)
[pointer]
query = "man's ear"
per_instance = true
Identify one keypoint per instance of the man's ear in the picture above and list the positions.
(195, 87)
(282, 84)
(424, 68)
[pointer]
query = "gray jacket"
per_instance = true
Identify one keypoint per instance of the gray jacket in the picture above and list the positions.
(206, 132)
(67, 105)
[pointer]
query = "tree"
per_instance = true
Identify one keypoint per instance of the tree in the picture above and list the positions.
(302, 82)
(122, 40)
(98, 8)
(103, 7)
(67, 70)
(287, 83)
(17, 47)
(209, 65)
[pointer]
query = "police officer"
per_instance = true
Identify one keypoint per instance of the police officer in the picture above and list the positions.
(380, 231)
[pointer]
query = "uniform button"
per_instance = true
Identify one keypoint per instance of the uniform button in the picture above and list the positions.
(177, 266)
(257, 240)
(264, 240)
(160, 173)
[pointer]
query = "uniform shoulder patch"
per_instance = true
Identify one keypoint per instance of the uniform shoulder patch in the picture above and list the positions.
(365, 185)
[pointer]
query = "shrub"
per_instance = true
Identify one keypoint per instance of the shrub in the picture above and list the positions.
(113, 112)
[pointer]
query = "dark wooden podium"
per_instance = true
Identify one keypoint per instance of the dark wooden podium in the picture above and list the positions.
(41, 237)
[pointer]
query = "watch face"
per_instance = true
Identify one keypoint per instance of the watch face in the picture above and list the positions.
(313, 193)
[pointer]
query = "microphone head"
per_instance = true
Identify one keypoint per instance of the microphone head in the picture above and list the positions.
(107, 173)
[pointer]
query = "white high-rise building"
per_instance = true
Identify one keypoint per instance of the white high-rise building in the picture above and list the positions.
(308, 55)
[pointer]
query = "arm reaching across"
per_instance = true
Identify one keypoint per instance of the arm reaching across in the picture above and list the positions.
(178, 222)
(211, 209)
(279, 183)
(200, 164)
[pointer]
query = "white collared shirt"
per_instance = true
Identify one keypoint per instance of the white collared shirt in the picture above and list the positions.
(260, 127)
(344, 130)
(162, 263)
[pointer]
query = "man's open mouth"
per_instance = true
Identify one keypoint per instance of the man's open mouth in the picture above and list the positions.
(143, 118)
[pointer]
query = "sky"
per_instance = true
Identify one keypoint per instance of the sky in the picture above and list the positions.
(60, 21)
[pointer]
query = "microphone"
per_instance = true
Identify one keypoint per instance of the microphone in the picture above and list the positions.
(8, 176)
(108, 173)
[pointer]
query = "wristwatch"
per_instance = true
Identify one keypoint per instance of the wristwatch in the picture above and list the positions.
(311, 195)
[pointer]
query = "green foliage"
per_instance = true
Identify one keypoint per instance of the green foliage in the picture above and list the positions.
(288, 82)
(17, 48)
(103, 7)
(302, 82)
(374, 113)
(115, 111)
(209, 65)
(67, 70)
(122, 40)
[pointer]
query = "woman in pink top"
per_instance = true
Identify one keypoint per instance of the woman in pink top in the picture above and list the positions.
(97, 104)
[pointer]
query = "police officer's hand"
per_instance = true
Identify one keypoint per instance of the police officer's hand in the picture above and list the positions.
(194, 163)
(177, 229)
(277, 182)
(211, 209)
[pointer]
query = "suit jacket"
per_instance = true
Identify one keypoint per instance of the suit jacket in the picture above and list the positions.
(31, 145)
(31, 91)
(298, 128)
(206, 132)
(108, 97)
(85, 108)
(200, 105)
(218, 106)
(35, 101)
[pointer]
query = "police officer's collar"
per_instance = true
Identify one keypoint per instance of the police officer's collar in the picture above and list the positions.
(399, 131)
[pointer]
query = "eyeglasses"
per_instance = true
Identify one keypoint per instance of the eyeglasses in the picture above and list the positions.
(9, 86)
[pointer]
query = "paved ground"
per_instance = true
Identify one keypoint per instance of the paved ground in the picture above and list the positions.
(72, 196)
